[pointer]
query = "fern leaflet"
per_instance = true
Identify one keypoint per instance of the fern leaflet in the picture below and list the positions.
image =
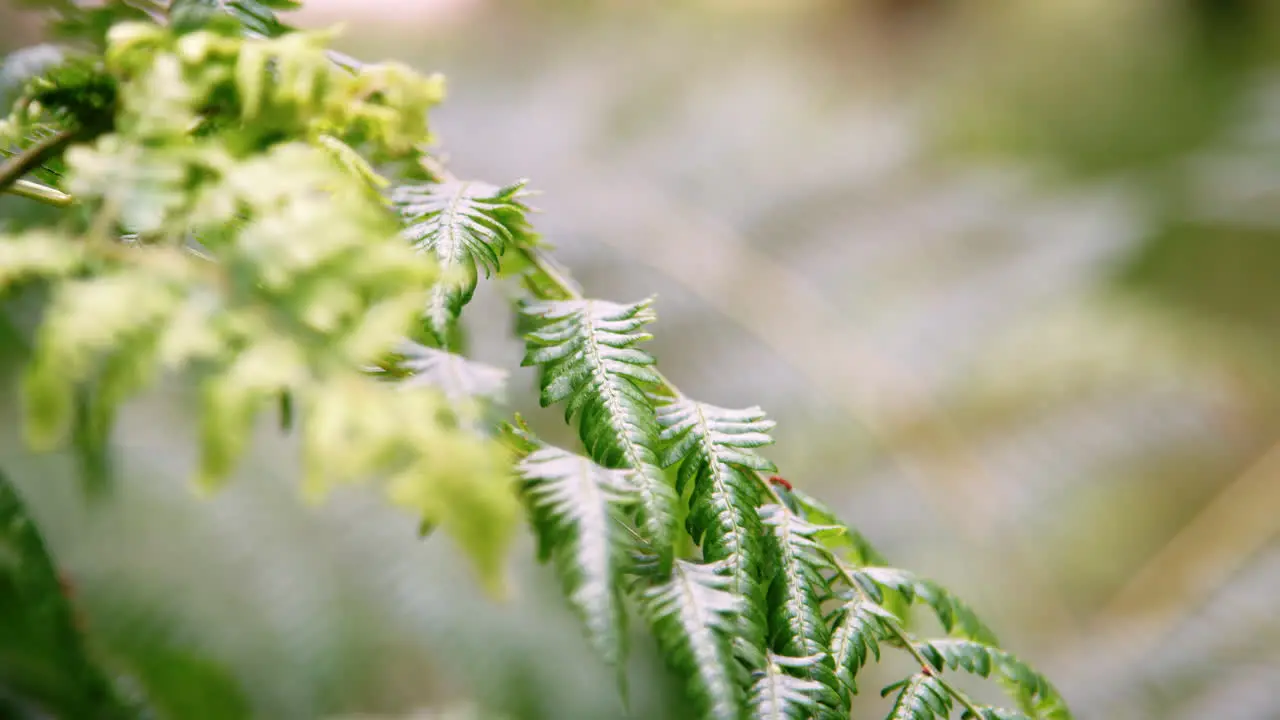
(1033, 692)
(466, 226)
(921, 697)
(589, 360)
(714, 448)
(777, 695)
(858, 627)
(576, 508)
(797, 627)
(956, 616)
(692, 618)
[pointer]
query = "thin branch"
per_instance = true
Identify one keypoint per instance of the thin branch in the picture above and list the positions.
(31, 158)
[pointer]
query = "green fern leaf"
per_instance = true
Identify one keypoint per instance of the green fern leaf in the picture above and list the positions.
(858, 627)
(577, 509)
(1032, 691)
(714, 447)
(777, 695)
(713, 436)
(956, 616)
(466, 226)
(921, 697)
(797, 627)
(692, 617)
(589, 360)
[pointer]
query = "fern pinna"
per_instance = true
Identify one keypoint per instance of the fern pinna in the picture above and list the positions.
(261, 212)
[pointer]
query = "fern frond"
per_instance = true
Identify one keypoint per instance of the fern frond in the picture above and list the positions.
(920, 697)
(714, 448)
(858, 627)
(797, 627)
(589, 361)
(466, 226)
(576, 508)
(956, 616)
(692, 617)
(777, 695)
(1034, 694)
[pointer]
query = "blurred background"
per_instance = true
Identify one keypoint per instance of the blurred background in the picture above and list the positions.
(1004, 273)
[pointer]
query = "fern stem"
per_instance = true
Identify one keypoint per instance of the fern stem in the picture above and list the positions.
(31, 158)
(545, 265)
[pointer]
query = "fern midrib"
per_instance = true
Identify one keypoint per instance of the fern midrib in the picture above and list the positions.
(802, 627)
(451, 214)
(774, 703)
(447, 249)
(719, 469)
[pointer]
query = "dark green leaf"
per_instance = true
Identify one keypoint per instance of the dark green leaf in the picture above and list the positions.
(43, 657)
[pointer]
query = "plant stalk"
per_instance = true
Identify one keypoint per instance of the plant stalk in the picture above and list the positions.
(31, 158)
(41, 193)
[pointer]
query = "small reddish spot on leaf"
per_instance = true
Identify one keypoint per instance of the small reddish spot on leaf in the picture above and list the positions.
(779, 480)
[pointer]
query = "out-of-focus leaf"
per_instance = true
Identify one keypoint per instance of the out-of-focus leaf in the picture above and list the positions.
(43, 657)
(179, 682)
